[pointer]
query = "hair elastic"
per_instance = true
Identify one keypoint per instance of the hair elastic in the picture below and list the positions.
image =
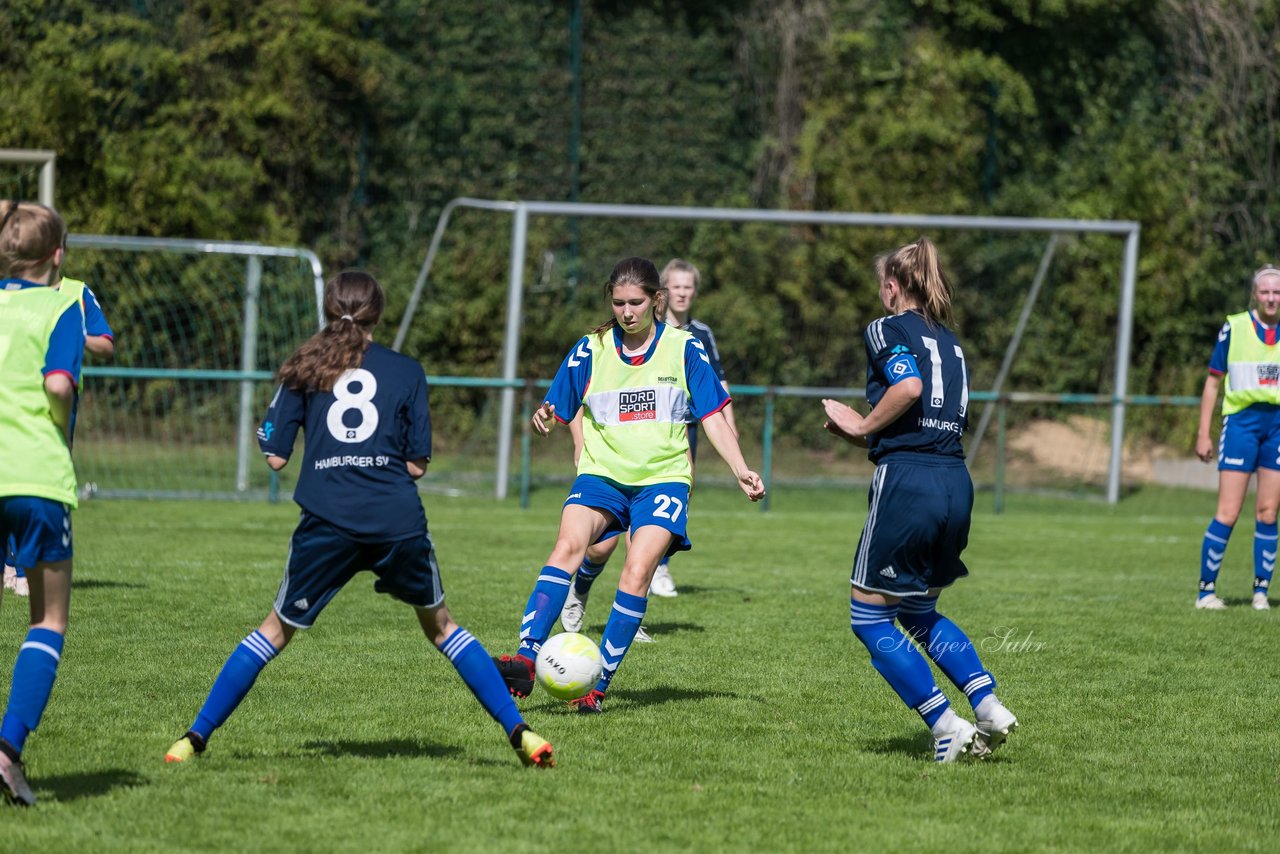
(347, 317)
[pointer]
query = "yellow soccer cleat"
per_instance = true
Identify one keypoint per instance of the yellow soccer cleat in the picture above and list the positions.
(532, 748)
(184, 748)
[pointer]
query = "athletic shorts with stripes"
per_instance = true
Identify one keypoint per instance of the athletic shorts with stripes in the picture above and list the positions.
(322, 559)
(919, 507)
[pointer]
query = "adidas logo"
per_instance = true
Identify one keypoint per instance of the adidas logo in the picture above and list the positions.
(888, 572)
(302, 604)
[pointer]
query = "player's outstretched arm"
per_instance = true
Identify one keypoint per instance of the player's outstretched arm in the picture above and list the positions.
(726, 444)
(544, 418)
(843, 421)
(897, 400)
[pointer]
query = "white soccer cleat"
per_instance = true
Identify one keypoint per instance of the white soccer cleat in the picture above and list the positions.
(574, 613)
(642, 636)
(1211, 603)
(954, 742)
(663, 584)
(1260, 602)
(13, 780)
(995, 724)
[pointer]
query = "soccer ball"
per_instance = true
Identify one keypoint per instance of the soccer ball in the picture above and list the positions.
(569, 665)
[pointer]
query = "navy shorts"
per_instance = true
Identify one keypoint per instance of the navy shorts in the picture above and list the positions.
(322, 559)
(917, 526)
(35, 530)
(1250, 439)
(663, 504)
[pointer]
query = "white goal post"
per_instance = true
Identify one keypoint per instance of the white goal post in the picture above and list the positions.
(522, 210)
(38, 157)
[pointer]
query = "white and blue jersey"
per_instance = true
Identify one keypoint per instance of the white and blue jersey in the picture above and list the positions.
(569, 387)
(359, 437)
(907, 345)
(95, 322)
(921, 497)
(1250, 438)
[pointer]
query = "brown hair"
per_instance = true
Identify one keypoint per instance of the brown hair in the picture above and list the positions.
(916, 269)
(30, 234)
(635, 271)
(353, 303)
(679, 265)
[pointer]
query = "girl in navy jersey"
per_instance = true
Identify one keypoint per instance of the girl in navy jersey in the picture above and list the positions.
(639, 380)
(1248, 355)
(363, 412)
(920, 501)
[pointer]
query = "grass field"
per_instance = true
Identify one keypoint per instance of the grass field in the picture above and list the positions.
(755, 722)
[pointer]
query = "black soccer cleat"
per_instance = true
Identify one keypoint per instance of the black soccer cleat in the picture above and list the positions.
(591, 703)
(517, 672)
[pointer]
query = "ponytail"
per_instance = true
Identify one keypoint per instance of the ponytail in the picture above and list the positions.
(353, 302)
(917, 270)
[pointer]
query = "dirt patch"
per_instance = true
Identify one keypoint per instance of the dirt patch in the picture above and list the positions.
(1080, 447)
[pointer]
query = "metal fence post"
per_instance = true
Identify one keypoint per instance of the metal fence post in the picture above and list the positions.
(766, 442)
(248, 358)
(526, 437)
(1002, 422)
(511, 346)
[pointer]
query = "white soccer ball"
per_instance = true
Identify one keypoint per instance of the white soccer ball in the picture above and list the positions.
(569, 665)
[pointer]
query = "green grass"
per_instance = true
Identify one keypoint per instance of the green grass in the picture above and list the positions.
(754, 722)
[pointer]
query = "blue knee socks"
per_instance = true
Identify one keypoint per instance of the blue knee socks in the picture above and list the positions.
(619, 632)
(585, 577)
(948, 646)
(1211, 552)
(233, 683)
(543, 610)
(897, 659)
(33, 675)
(481, 675)
(1264, 555)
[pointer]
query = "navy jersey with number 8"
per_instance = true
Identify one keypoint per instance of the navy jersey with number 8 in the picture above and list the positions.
(358, 438)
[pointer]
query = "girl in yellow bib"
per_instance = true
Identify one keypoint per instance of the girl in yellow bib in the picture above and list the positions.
(637, 380)
(1248, 355)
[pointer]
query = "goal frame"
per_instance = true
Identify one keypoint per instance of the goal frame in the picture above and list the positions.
(43, 158)
(1129, 230)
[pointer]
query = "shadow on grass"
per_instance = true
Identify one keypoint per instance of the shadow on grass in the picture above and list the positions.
(666, 694)
(918, 746)
(382, 749)
(89, 784)
(661, 630)
(696, 589)
(92, 583)
(1238, 601)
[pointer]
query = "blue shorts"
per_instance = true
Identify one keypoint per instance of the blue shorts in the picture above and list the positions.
(631, 507)
(917, 525)
(322, 560)
(1250, 439)
(37, 530)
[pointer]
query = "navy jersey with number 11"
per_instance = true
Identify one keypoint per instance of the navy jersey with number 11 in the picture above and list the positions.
(906, 345)
(358, 439)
